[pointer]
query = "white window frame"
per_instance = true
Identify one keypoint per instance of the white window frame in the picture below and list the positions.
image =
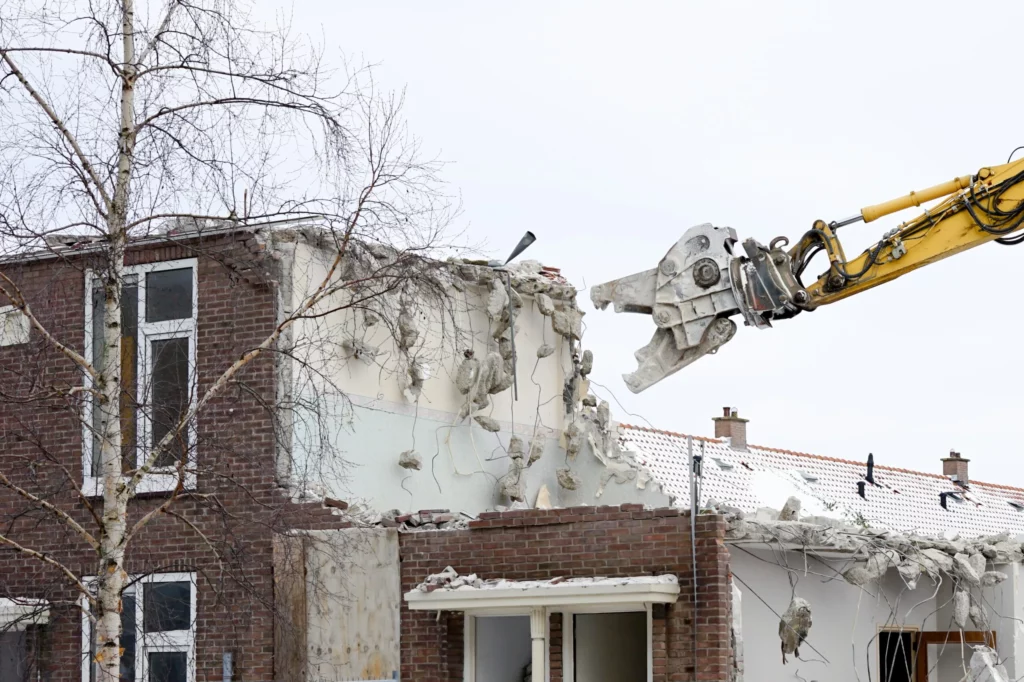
(162, 479)
(173, 641)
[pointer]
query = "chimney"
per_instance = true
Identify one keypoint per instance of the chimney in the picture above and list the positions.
(731, 426)
(955, 467)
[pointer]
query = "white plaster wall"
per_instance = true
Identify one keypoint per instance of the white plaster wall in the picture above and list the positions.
(845, 618)
(347, 442)
(502, 648)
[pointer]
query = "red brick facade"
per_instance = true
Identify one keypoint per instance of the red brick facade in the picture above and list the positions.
(239, 502)
(579, 542)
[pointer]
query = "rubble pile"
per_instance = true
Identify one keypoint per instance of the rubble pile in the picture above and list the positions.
(449, 579)
(425, 519)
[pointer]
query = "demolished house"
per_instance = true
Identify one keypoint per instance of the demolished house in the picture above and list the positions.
(439, 495)
(870, 572)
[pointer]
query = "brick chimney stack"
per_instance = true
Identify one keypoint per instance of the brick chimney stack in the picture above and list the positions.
(731, 426)
(955, 467)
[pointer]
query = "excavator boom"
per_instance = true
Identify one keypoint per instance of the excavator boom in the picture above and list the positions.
(704, 280)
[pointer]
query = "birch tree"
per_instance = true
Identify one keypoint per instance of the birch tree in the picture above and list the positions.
(119, 117)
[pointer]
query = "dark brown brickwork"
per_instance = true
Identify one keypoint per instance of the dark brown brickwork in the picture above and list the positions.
(579, 542)
(241, 504)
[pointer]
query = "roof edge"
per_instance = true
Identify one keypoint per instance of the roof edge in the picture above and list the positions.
(809, 455)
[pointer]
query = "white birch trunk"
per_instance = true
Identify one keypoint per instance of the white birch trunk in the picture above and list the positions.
(112, 577)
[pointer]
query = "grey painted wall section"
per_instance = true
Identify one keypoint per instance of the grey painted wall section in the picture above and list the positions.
(462, 464)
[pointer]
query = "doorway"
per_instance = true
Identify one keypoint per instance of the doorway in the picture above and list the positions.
(610, 647)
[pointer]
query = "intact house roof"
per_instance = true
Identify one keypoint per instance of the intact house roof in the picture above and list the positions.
(905, 501)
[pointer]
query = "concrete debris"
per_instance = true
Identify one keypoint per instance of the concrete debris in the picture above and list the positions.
(910, 570)
(544, 350)
(543, 498)
(412, 380)
(961, 608)
(567, 478)
(604, 416)
(978, 563)
(985, 666)
(425, 519)
(370, 318)
(858, 575)
(466, 376)
(497, 301)
(794, 627)
(515, 299)
(912, 555)
(515, 448)
(536, 449)
(512, 484)
(488, 423)
(449, 579)
(963, 569)
(587, 363)
(359, 350)
(990, 578)
(978, 617)
(545, 305)
(791, 510)
(410, 459)
(505, 346)
(942, 560)
(573, 440)
(503, 376)
(590, 400)
(568, 323)
(408, 332)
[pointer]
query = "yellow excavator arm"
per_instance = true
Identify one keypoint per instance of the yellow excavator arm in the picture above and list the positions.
(703, 281)
(980, 208)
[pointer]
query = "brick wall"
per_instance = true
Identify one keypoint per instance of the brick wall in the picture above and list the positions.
(239, 505)
(579, 542)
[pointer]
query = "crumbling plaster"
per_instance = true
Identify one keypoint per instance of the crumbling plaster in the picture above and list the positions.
(416, 393)
(856, 580)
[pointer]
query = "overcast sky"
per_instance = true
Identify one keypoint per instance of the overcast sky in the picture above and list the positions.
(609, 128)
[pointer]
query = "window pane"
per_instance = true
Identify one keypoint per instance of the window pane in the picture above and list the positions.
(168, 666)
(169, 295)
(129, 366)
(128, 633)
(167, 606)
(170, 396)
(895, 656)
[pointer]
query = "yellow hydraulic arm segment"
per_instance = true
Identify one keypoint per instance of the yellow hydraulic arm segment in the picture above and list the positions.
(704, 280)
(981, 208)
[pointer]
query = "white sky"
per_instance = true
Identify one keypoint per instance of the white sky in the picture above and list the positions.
(609, 128)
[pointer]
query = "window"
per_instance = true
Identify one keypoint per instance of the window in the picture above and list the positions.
(896, 655)
(13, 326)
(158, 351)
(158, 631)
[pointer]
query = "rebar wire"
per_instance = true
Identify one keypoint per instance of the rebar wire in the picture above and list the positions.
(743, 582)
